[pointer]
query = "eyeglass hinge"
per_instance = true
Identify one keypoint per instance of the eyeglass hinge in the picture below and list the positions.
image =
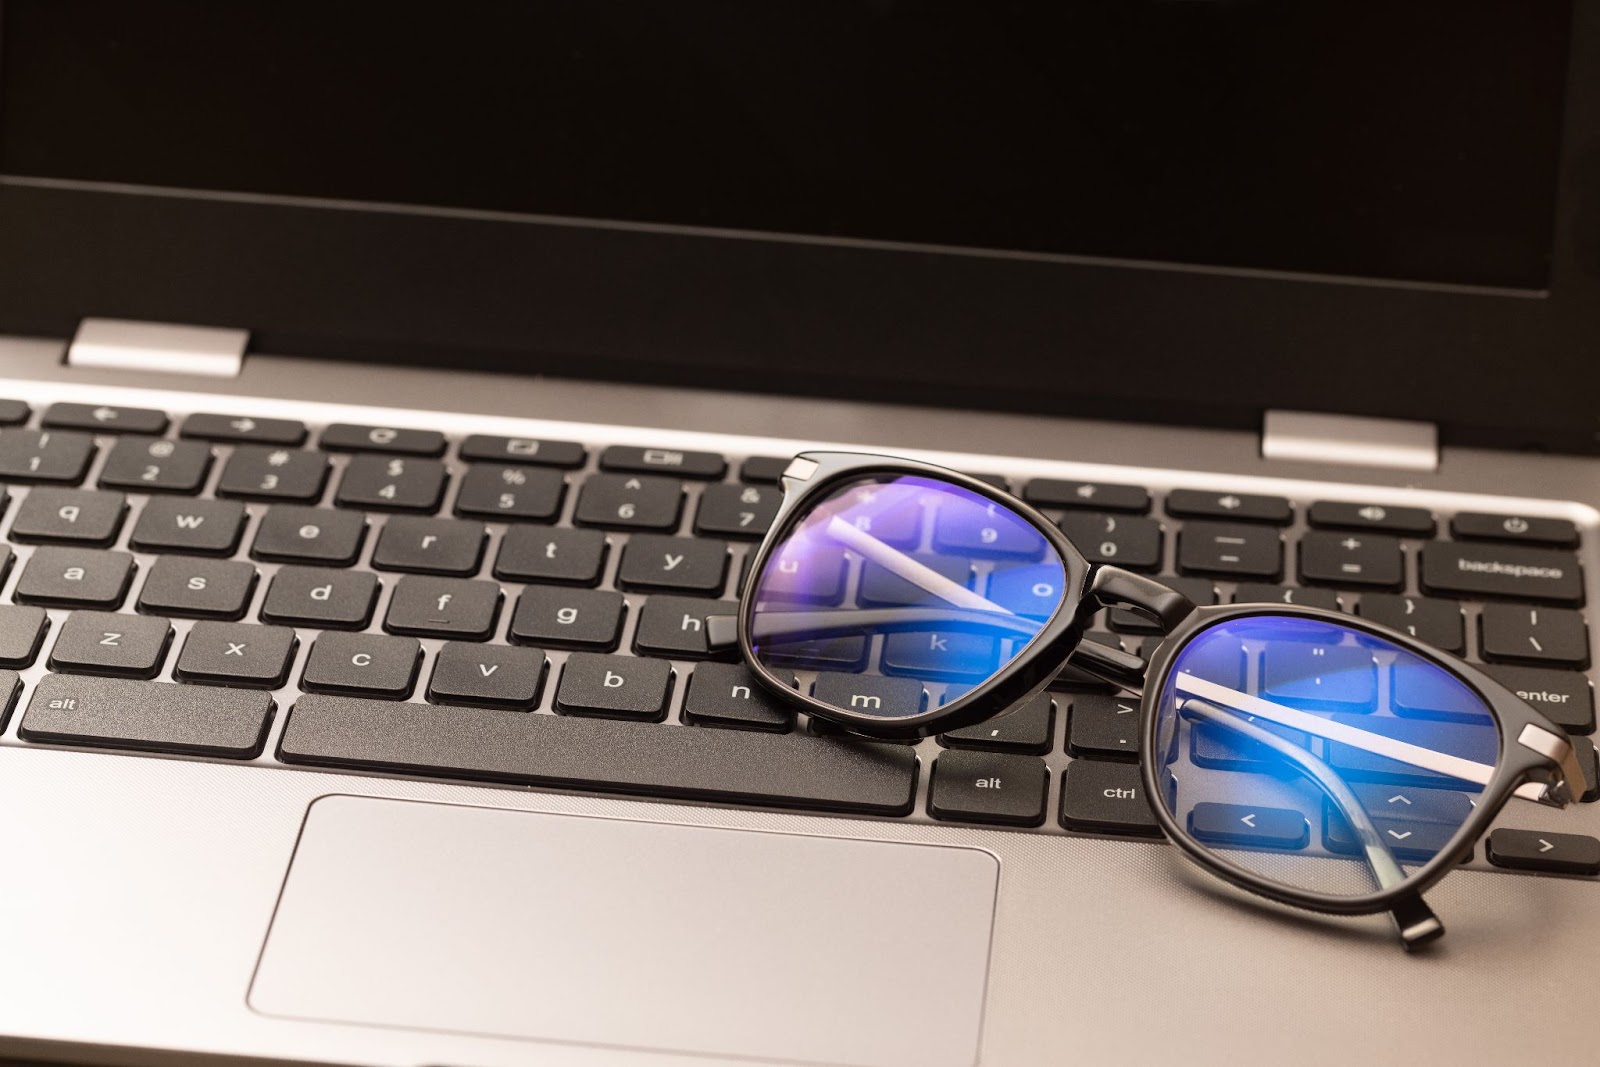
(161, 347)
(1312, 437)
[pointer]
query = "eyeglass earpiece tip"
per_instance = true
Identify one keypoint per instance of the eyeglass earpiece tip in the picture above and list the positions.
(1416, 923)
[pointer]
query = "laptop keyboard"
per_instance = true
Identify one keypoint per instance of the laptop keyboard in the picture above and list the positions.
(399, 601)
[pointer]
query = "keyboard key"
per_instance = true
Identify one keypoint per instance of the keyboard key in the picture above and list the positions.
(490, 676)
(1546, 636)
(1415, 824)
(1106, 798)
(1533, 850)
(1027, 728)
(614, 687)
(881, 587)
(1563, 697)
(840, 653)
(198, 588)
(889, 698)
(14, 412)
(72, 516)
(156, 465)
(1104, 725)
(1438, 622)
(630, 502)
(346, 437)
(443, 607)
(22, 631)
(10, 689)
(1219, 748)
(44, 456)
(1472, 742)
(1478, 526)
(998, 481)
(362, 664)
(988, 787)
(150, 716)
(630, 459)
(543, 554)
(1235, 507)
(99, 642)
(197, 527)
(943, 655)
(984, 531)
(75, 577)
(814, 576)
(524, 450)
(313, 596)
(1249, 826)
(727, 694)
(744, 511)
(1348, 559)
(763, 470)
(101, 418)
(245, 429)
(1200, 591)
(1033, 592)
(511, 494)
(430, 546)
(1511, 571)
(1339, 515)
(1263, 593)
(675, 626)
(1327, 677)
(290, 533)
(678, 564)
(1095, 496)
(1127, 541)
(235, 653)
(257, 472)
(392, 483)
(568, 618)
(1220, 548)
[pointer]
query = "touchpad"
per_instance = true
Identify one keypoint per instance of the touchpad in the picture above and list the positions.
(603, 931)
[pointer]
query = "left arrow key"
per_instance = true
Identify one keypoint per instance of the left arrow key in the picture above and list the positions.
(105, 419)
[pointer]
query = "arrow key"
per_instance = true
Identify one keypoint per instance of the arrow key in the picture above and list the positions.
(103, 419)
(1532, 850)
(206, 427)
(1106, 726)
(1248, 825)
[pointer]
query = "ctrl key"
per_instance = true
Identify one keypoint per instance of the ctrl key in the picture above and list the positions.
(1532, 850)
(1100, 797)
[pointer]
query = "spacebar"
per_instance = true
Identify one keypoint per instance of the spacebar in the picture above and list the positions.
(832, 774)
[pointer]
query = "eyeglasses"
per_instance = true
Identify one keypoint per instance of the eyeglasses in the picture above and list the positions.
(1309, 757)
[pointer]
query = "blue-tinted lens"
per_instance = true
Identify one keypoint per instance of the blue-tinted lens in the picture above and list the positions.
(1318, 755)
(890, 591)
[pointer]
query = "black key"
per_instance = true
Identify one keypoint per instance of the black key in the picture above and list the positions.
(1438, 622)
(764, 470)
(22, 631)
(727, 694)
(815, 577)
(198, 527)
(524, 450)
(1415, 824)
(99, 642)
(842, 653)
(392, 483)
(1564, 697)
(14, 412)
(72, 516)
(1096, 496)
(630, 502)
(678, 564)
(347, 437)
(1127, 621)
(257, 472)
(1106, 798)
(675, 626)
(1262, 593)
(1338, 515)
(101, 418)
(1127, 541)
(1533, 850)
(737, 510)
(1219, 548)
(1329, 677)
(1249, 826)
(1235, 507)
(198, 588)
(312, 596)
(45, 455)
(989, 787)
(443, 607)
(543, 554)
(614, 687)
(156, 465)
(1026, 728)
(245, 429)
(568, 618)
(75, 578)
(630, 459)
(1472, 742)
(1538, 574)
(1545, 636)
(1478, 526)
(150, 716)
(10, 689)
(430, 546)
(1352, 559)
(363, 664)
(1221, 749)
(1104, 725)
(507, 493)
(290, 533)
(830, 774)
(881, 587)
(489, 676)
(945, 655)
(890, 698)
(235, 653)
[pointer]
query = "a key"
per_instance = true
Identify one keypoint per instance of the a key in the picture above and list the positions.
(1565, 697)
(10, 689)
(198, 588)
(944, 655)
(236, 653)
(363, 664)
(150, 716)
(14, 412)
(75, 578)
(1545, 636)
(682, 464)
(430, 546)
(257, 472)
(827, 774)
(809, 577)
(761, 470)
(22, 631)
(1218, 748)
(1352, 559)
(984, 531)
(1249, 826)
(244, 429)
(1340, 515)
(1438, 622)
(544, 453)
(45, 455)
(744, 511)
(1126, 541)
(1230, 550)
(102, 418)
(1027, 728)
(1478, 526)
(1030, 591)
(71, 516)
(315, 596)
(629, 502)
(1535, 850)
(675, 626)
(1200, 592)
(511, 494)
(443, 607)
(888, 698)
(568, 618)
(1101, 797)
(99, 642)
(347, 437)
(1094, 496)
(614, 687)
(1264, 593)
(677, 564)
(490, 676)
(196, 527)
(881, 587)
(1235, 507)
(1323, 676)
(988, 787)
(291, 533)
(727, 694)
(1543, 575)
(546, 554)
(156, 465)
(1104, 725)
(392, 483)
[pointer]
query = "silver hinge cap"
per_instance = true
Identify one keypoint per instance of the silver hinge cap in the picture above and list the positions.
(162, 347)
(1350, 440)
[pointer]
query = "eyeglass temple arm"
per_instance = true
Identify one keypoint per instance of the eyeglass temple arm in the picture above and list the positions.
(1115, 587)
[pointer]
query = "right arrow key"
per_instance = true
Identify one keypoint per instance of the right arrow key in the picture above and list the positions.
(1534, 850)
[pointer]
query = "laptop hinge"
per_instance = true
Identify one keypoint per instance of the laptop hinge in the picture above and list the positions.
(162, 347)
(1350, 440)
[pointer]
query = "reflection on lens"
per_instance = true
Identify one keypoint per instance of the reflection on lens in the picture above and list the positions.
(1317, 755)
(891, 593)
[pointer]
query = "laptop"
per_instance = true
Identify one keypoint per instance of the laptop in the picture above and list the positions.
(363, 369)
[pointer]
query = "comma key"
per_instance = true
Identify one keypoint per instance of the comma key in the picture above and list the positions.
(1106, 798)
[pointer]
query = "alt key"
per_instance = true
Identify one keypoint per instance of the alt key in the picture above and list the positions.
(988, 787)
